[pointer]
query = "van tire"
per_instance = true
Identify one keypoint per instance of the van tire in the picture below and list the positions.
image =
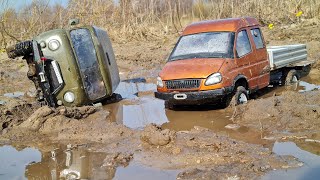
(240, 96)
(291, 77)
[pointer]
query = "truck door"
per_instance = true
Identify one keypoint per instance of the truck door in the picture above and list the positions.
(261, 58)
(244, 56)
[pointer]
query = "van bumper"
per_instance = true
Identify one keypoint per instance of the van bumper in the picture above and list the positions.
(198, 97)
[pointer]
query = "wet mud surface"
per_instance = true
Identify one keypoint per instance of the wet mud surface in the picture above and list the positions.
(276, 135)
(138, 134)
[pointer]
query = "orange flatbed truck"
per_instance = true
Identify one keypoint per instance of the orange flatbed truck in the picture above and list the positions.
(221, 61)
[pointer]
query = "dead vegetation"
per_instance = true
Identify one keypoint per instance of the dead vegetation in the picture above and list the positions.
(128, 20)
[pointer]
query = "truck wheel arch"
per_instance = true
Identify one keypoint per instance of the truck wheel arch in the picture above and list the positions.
(240, 80)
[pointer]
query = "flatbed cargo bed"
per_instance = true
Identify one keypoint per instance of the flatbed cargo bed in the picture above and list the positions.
(288, 56)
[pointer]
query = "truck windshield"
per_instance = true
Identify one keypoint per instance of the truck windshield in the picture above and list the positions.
(203, 45)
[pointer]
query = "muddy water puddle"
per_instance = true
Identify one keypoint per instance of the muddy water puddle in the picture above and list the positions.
(14, 94)
(140, 108)
(14, 162)
(310, 163)
(304, 85)
(79, 163)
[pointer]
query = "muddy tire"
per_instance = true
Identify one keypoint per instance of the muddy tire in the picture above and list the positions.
(304, 71)
(20, 49)
(291, 77)
(240, 96)
(291, 80)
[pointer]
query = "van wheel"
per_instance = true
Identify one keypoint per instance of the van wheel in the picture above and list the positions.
(240, 96)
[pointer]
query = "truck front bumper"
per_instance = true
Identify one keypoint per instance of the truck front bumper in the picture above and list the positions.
(195, 97)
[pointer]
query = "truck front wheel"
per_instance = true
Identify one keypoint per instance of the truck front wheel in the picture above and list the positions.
(240, 96)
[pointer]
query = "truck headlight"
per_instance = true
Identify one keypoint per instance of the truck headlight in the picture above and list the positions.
(53, 44)
(213, 79)
(159, 82)
(69, 97)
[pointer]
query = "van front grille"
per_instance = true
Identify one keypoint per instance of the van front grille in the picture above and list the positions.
(183, 84)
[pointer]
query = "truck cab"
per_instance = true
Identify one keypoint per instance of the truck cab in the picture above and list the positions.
(214, 61)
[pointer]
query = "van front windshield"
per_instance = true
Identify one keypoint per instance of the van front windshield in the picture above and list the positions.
(204, 45)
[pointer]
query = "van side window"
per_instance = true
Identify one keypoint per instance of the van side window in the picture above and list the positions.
(243, 44)
(256, 34)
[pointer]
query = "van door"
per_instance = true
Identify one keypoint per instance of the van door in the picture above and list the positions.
(244, 56)
(261, 58)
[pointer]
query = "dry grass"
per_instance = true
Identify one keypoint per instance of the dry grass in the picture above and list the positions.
(144, 19)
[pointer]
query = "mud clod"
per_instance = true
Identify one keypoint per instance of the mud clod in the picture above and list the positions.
(35, 121)
(118, 159)
(14, 112)
(154, 135)
(206, 175)
(25, 115)
(76, 112)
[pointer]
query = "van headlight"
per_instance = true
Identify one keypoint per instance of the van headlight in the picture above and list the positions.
(53, 44)
(69, 97)
(213, 79)
(159, 82)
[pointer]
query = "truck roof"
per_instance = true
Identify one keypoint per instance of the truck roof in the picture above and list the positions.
(227, 25)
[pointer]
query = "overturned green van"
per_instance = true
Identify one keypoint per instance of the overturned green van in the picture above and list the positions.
(70, 67)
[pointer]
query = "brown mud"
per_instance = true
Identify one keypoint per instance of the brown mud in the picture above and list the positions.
(138, 134)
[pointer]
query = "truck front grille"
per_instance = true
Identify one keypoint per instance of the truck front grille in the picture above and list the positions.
(183, 84)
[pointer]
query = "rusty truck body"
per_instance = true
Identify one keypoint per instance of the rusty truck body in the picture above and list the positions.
(214, 61)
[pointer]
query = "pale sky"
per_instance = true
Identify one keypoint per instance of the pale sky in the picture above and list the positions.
(18, 4)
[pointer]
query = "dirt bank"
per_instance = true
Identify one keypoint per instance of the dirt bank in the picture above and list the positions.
(287, 115)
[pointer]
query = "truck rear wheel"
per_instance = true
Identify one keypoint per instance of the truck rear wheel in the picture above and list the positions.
(291, 78)
(240, 96)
